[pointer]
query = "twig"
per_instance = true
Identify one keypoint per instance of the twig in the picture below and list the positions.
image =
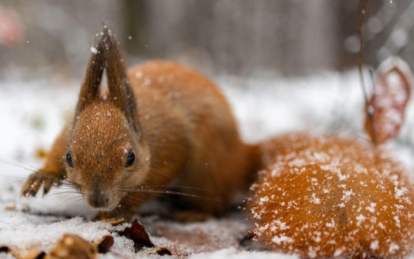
(370, 112)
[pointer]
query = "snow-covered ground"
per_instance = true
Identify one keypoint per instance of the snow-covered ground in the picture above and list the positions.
(32, 113)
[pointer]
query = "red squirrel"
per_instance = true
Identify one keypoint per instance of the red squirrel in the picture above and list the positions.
(159, 123)
(331, 196)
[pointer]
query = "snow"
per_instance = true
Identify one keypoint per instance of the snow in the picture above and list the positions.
(279, 239)
(231, 253)
(25, 230)
(33, 112)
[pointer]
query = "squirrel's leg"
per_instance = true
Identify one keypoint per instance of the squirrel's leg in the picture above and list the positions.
(216, 178)
(52, 172)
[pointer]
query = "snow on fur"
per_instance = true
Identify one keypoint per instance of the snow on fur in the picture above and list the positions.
(332, 196)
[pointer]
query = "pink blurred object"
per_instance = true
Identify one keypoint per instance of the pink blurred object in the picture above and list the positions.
(11, 30)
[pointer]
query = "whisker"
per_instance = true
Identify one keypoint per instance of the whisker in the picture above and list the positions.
(44, 175)
(57, 193)
(135, 200)
(17, 160)
(172, 193)
(76, 198)
(171, 199)
(19, 166)
(19, 178)
(67, 207)
(179, 186)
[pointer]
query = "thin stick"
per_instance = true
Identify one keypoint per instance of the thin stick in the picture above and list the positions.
(370, 112)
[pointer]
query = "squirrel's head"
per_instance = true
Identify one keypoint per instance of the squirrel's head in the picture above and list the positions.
(106, 154)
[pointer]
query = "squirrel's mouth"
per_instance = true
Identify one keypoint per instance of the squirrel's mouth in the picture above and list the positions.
(100, 201)
(104, 209)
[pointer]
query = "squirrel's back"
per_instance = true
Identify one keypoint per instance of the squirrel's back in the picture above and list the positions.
(189, 125)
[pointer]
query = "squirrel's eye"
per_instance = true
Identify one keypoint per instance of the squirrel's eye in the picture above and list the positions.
(130, 158)
(69, 159)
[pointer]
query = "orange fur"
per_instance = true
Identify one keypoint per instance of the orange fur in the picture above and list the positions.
(175, 119)
(332, 196)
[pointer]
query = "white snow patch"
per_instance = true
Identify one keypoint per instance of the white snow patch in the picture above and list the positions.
(315, 199)
(339, 251)
(393, 248)
(281, 239)
(232, 253)
(94, 50)
(360, 218)
(374, 245)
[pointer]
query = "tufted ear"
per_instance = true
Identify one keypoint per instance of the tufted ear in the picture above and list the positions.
(89, 91)
(107, 55)
(120, 91)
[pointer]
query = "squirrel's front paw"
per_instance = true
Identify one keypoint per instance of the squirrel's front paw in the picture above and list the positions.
(36, 180)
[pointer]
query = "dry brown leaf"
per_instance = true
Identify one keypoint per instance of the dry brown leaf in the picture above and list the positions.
(10, 207)
(114, 222)
(163, 251)
(104, 244)
(4, 249)
(388, 101)
(139, 235)
(32, 253)
(73, 247)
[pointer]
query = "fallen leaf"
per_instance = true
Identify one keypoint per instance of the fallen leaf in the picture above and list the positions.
(138, 234)
(104, 244)
(31, 253)
(4, 249)
(114, 222)
(388, 102)
(10, 207)
(163, 251)
(73, 247)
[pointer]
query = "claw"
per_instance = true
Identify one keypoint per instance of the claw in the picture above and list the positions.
(46, 187)
(26, 189)
(35, 181)
(32, 192)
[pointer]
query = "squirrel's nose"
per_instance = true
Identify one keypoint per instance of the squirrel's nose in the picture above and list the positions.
(98, 200)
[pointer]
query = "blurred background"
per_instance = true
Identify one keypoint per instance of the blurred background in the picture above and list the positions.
(243, 38)
(283, 64)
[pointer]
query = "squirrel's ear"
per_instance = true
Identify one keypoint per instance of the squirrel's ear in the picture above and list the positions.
(120, 92)
(89, 91)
